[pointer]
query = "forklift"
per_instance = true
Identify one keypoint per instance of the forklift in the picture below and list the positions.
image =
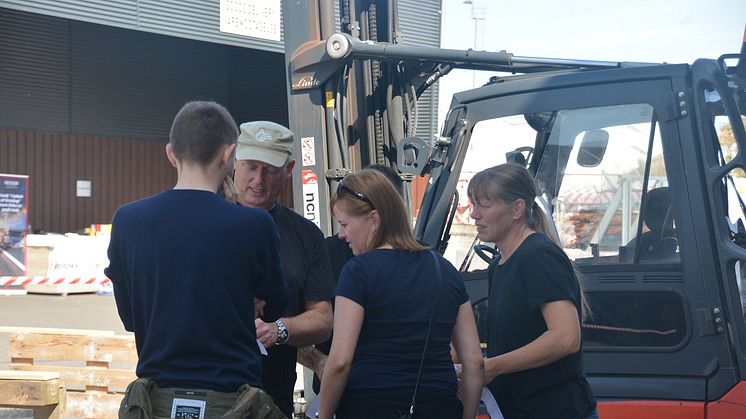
(640, 168)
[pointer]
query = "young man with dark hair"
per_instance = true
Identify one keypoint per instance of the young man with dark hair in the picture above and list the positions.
(186, 267)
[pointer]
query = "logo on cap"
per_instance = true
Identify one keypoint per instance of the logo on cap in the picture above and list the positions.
(263, 135)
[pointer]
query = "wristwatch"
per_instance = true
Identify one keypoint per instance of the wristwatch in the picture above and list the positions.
(282, 333)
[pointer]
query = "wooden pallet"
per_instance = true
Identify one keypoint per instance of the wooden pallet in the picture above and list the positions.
(94, 366)
(41, 392)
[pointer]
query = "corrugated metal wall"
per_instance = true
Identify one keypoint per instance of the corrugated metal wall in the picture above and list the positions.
(119, 170)
(66, 76)
(129, 83)
(191, 19)
(71, 92)
(419, 21)
(200, 20)
(34, 73)
(258, 86)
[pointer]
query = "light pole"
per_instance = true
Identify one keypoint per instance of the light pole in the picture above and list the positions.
(477, 15)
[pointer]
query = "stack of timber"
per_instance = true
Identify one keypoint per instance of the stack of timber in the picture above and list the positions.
(94, 366)
(40, 392)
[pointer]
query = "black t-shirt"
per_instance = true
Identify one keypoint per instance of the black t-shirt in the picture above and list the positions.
(339, 253)
(305, 266)
(538, 272)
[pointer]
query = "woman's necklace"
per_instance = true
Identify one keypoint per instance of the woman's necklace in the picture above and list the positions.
(507, 251)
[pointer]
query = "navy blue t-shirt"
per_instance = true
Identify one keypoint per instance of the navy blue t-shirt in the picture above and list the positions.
(396, 290)
(185, 266)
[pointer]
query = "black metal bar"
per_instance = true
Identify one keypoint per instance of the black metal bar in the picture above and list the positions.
(342, 46)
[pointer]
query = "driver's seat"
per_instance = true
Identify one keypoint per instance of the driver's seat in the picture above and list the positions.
(660, 242)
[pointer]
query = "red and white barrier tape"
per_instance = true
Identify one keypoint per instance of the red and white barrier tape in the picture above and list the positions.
(44, 280)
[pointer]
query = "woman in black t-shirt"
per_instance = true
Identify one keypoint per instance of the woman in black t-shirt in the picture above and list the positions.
(534, 366)
(383, 307)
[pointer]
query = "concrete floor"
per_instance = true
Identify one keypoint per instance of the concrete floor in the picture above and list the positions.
(16, 413)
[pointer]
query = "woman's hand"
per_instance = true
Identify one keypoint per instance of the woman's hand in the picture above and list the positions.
(470, 371)
(561, 339)
(348, 320)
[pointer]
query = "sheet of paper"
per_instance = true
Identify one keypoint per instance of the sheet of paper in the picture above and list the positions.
(313, 408)
(262, 349)
(489, 402)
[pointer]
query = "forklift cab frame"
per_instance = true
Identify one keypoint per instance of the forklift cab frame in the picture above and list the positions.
(599, 142)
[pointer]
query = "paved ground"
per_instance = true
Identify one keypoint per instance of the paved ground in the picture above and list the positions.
(74, 311)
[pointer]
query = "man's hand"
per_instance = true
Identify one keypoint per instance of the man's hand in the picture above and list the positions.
(259, 307)
(312, 326)
(228, 189)
(266, 332)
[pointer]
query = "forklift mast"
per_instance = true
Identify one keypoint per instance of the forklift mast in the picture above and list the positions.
(353, 89)
(334, 109)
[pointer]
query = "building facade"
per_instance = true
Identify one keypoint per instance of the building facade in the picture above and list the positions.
(88, 90)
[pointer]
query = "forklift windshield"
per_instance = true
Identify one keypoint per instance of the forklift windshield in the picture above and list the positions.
(590, 165)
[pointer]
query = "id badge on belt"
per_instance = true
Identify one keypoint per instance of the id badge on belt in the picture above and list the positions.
(188, 409)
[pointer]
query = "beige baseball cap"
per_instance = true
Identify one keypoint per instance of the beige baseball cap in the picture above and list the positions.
(265, 141)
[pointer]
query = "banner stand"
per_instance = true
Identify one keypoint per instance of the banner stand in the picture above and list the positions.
(13, 223)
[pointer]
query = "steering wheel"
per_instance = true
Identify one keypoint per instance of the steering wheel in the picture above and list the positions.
(486, 252)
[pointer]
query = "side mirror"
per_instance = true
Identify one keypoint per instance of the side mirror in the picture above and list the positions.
(592, 148)
(518, 157)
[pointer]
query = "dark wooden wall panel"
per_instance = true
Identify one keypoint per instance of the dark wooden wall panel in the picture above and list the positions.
(120, 171)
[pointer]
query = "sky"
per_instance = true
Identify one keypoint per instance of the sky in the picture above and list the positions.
(627, 30)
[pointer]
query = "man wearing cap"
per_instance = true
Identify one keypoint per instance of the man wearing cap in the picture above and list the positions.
(263, 166)
(187, 294)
